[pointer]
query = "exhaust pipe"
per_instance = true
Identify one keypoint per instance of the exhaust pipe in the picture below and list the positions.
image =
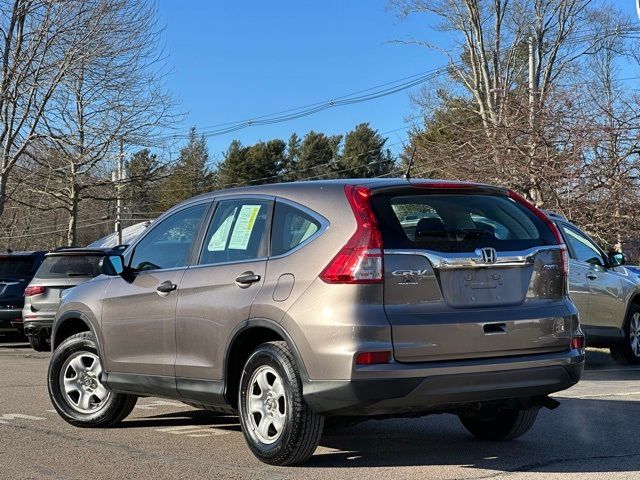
(550, 403)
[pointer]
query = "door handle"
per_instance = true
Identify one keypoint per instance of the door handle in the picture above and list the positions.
(247, 278)
(166, 287)
(591, 276)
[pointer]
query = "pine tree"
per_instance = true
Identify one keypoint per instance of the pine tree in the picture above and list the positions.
(254, 165)
(292, 157)
(318, 156)
(233, 168)
(142, 188)
(364, 154)
(191, 176)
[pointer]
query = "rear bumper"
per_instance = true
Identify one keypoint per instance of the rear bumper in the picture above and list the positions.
(38, 324)
(395, 389)
(10, 320)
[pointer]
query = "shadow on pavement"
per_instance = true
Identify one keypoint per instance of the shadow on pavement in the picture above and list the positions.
(580, 436)
(14, 341)
(190, 417)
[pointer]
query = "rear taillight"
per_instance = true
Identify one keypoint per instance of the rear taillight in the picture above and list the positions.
(360, 259)
(35, 290)
(372, 358)
(549, 223)
(577, 342)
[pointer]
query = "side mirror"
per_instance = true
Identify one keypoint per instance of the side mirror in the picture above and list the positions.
(112, 265)
(617, 258)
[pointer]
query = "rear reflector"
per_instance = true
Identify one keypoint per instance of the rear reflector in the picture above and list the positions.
(31, 291)
(360, 259)
(371, 358)
(577, 342)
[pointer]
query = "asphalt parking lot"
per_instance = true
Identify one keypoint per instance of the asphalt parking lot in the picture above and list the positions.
(594, 434)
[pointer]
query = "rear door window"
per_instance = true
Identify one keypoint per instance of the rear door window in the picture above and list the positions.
(291, 227)
(237, 232)
(458, 222)
(12, 268)
(582, 249)
(57, 266)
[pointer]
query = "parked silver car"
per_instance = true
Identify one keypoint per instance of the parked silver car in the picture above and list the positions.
(293, 303)
(60, 270)
(606, 293)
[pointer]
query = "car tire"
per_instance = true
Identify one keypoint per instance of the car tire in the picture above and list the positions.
(39, 343)
(278, 425)
(627, 352)
(499, 424)
(75, 388)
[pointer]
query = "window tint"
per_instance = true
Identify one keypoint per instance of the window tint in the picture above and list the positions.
(291, 227)
(458, 222)
(169, 243)
(57, 266)
(16, 267)
(582, 248)
(236, 232)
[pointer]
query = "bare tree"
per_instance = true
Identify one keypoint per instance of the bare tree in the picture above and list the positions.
(40, 41)
(490, 64)
(113, 94)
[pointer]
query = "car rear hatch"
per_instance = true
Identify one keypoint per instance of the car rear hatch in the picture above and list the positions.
(470, 272)
(15, 273)
(57, 273)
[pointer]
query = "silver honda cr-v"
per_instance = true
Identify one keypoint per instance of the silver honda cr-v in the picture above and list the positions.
(295, 303)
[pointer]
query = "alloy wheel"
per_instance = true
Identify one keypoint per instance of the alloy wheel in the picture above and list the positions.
(634, 334)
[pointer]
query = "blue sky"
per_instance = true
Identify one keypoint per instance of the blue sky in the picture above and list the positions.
(233, 60)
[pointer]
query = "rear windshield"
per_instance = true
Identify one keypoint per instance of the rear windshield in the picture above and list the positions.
(458, 222)
(57, 266)
(15, 267)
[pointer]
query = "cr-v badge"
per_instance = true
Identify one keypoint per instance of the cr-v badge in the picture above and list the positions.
(410, 277)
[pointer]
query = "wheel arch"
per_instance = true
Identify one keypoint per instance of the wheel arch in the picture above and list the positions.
(70, 323)
(255, 332)
(634, 301)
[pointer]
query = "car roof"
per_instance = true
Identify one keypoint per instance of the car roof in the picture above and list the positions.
(375, 184)
(24, 253)
(86, 251)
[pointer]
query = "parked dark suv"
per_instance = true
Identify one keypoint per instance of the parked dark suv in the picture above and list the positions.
(16, 271)
(353, 298)
(60, 270)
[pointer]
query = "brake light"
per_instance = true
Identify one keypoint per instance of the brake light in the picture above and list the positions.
(35, 290)
(549, 223)
(442, 184)
(372, 358)
(577, 342)
(360, 259)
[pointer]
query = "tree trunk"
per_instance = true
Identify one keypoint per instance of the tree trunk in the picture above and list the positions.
(3, 193)
(72, 232)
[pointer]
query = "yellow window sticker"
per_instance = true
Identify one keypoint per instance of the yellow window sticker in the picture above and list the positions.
(243, 227)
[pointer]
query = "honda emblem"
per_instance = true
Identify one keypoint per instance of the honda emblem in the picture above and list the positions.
(488, 254)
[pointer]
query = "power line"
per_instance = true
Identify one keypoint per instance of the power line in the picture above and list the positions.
(53, 231)
(364, 95)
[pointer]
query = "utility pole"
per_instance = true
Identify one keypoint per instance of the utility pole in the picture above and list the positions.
(534, 193)
(532, 84)
(119, 178)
